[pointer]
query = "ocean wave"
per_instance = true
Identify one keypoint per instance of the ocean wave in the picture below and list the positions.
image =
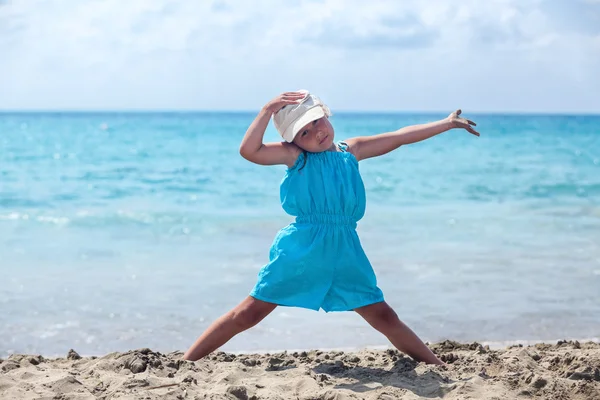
(20, 202)
(45, 219)
(562, 189)
(541, 191)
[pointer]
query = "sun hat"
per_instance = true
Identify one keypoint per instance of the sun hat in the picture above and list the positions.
(291, 118)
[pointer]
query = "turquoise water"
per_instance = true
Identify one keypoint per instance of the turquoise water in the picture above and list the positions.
(120, 231)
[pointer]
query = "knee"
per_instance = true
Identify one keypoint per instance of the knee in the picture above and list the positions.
(384, 318)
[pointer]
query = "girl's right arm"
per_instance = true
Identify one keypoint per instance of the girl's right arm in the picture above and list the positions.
(252, 147)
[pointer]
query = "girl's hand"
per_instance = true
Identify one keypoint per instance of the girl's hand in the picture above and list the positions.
(456, 121)
(283, 100)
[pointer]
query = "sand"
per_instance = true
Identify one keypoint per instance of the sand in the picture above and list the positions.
(566, 370)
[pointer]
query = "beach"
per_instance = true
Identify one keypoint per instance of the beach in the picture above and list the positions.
(161, 161)
(563, 370)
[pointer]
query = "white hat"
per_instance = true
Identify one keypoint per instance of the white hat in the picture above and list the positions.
(291, 118)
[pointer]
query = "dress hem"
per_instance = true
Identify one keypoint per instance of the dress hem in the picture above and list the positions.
(317, 308)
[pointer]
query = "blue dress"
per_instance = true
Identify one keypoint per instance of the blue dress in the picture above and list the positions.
(318, 261)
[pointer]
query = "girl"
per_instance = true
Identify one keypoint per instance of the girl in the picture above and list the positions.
(317, 261)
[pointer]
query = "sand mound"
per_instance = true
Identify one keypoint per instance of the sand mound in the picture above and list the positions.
(566, 370)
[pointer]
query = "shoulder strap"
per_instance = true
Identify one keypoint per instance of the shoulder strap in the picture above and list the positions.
(343, 146)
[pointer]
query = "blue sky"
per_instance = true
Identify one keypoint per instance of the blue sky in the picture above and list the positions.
(434, 55)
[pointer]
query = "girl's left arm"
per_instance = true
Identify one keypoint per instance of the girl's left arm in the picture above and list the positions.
(372, 146)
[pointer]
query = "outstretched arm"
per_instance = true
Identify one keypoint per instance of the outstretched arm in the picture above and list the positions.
(252, 147)
(372, 146)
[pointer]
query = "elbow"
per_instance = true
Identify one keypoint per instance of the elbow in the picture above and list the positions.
(246, 153)
(243, 152)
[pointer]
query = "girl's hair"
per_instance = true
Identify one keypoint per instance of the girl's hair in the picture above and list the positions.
(304, 153)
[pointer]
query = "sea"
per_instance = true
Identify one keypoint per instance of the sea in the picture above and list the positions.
(123, 230)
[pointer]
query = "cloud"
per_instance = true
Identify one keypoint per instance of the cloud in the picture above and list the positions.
(185, 54)
(573, 16)
(397, 32)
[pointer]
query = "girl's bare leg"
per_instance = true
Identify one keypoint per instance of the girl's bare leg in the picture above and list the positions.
(244, 316)
(383, 318)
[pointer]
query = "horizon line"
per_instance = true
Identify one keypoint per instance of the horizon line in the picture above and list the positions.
(347, 111)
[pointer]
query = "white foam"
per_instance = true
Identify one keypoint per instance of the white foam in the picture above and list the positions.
(10, 216)
(53, 220)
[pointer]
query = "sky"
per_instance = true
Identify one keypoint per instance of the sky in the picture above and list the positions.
(399, 56)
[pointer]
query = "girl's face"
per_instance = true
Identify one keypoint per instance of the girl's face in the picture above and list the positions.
(316, 136)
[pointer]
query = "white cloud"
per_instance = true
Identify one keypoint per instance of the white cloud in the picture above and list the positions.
(494, 55)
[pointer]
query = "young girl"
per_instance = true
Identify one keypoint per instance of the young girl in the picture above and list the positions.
(317, 261)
